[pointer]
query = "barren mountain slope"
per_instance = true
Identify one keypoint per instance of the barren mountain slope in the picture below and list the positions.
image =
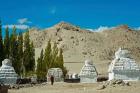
(79, 44)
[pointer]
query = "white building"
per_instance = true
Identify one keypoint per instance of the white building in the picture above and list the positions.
(56, 73)
(88, 73)
(124, 67)
(7, 73)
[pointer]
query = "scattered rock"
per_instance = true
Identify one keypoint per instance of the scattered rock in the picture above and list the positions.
(44, 83)
(72, 37)
(116, 82)
(58, 29)
(101, 87)
(119, 82)
(113, 83)
(14, 86)
(59, 39)
(85, 53)
(127, 83)
(82, 39)
(57, 42)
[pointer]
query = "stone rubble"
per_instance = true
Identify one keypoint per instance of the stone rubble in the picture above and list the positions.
(113, 83)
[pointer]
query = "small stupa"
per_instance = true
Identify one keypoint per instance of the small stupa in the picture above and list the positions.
(8, 75)
(56, 73)
(124, 67)
(88, 73)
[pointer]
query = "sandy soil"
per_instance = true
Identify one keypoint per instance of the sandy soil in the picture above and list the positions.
(78, 88)
(79, 46)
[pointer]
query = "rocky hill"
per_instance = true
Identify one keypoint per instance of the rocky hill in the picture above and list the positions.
(79, 44)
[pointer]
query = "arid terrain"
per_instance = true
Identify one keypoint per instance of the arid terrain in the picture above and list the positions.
(79, 44)
(78, 88)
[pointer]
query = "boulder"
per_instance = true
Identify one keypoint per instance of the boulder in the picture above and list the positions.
(100, 87)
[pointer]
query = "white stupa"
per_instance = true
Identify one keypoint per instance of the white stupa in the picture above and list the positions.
(7, 73)
(56, 73)
(124, 67)
(88, 73)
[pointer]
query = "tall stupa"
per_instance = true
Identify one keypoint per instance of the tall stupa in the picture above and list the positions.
(88, 72)
(124, 67)
(8, 75)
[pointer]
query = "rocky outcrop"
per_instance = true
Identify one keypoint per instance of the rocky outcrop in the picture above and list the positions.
(67, 26)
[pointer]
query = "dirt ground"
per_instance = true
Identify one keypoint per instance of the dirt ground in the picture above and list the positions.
(62, 87)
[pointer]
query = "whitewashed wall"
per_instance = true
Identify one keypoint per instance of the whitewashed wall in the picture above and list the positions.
(130, 75)
(88, 80)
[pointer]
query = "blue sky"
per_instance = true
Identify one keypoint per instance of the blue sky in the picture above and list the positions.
(84, 13)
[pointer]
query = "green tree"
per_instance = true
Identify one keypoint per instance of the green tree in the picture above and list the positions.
(1, 45)
(20, 54)
(32, 57)
(60, 59)
(7, 43)
(48, 56)
(41, 69)
(14, 50)
(61, 62)
(54, 56)
(28, 55)
(26, 58)
(13, 42)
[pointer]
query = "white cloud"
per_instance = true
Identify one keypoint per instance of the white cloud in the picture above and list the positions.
(100, 29)
(138, 28)
(90, 29)
(23, 21)
(20, 26)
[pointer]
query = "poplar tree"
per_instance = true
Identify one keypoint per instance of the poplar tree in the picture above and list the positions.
(7, 43)
(13, 43)
(32, 57)
(20, 54)
(28, 54)
(48, 56)
(26, 58)
(14, 49)
(54, 56)
(60, 59)
(61, 62)
(41, 69)
(1, 45)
